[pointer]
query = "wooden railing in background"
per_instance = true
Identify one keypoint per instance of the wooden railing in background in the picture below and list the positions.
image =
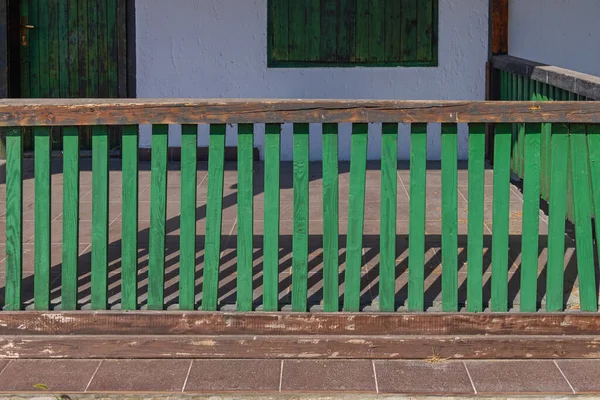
(524, 80)
(572, 124)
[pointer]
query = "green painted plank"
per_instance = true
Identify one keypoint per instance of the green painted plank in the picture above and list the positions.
(158, 217)
(329, 28)
(70, 236)
(99, 217)
(92, 48)
(42, 146)
(547, 132)
(331, 294)
(122, 42)
(409, 30)
(300, 226)
(556, 218)
(43, 37)
(278, 30)
(34, 54)
(346, 36)
(112, 49)
(362, 31)
(515, 127)
(583, 226)
(424, 30)
(82, 43)
(129, 241)
(520, 128)
(475, 217)
(245, 216)
(73, 48)
(544, 148)
(214, 215)
(271, 218)
(297, 34)
(14, 218)
(449, 217)
(377, 22)
(416, 229)
(500, 217)
(389, 192)
(62, 50)
(392, 31)
(312, 29)
(356, 217)
(531, 218)
(102, 41)
(24, 53)
(187, 240)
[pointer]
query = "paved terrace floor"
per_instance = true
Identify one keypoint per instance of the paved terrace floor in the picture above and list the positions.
(295, 379)
(227, 294)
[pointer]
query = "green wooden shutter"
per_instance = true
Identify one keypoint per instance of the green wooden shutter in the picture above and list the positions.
(305, 33)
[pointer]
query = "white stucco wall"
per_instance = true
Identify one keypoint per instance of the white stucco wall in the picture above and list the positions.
(218, 48)
(564, 33)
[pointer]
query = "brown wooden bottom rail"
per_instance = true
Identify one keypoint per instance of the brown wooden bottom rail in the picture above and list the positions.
(171, 334)
(282, 323)
(305, 346)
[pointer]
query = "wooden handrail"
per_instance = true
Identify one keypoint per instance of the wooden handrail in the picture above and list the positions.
(69, 112)
(562, 78)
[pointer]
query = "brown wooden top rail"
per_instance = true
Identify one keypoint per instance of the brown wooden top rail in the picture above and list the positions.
(562, 78)
(64, 112)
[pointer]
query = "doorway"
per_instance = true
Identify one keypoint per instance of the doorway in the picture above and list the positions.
(72, 49)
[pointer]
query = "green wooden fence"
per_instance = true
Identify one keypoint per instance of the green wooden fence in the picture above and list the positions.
(563, 136)
(515, 87)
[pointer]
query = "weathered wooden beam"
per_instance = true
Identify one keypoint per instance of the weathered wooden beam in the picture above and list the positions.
(257, 323)
(572, 81)
(285, 347)
(499, 26)
(64, 112)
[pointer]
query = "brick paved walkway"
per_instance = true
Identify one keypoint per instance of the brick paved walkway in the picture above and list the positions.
(227, 293)
(534, 377)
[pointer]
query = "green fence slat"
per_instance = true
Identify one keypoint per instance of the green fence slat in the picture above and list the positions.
(300, 237)
(475, 217)
(14, 218)
(389, 191)
(500, 217)
(271, 218)
(129, 240)
(356, 217)
(546, 147)
(99, 217)
(187, 240)
(42, 148)
(214, 216)
(515, 127)
(594, 150)
(331, 295)
(531, 218)
(245, 217)
(416, 229)
(556, 219)
(449, 217)
(158, 216)
(583, 224)
(521, 96)
(70, 247)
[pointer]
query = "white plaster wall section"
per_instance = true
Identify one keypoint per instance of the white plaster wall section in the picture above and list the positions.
(217, 48)
(556, 32)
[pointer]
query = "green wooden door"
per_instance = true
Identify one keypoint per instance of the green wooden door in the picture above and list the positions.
(73, 48)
